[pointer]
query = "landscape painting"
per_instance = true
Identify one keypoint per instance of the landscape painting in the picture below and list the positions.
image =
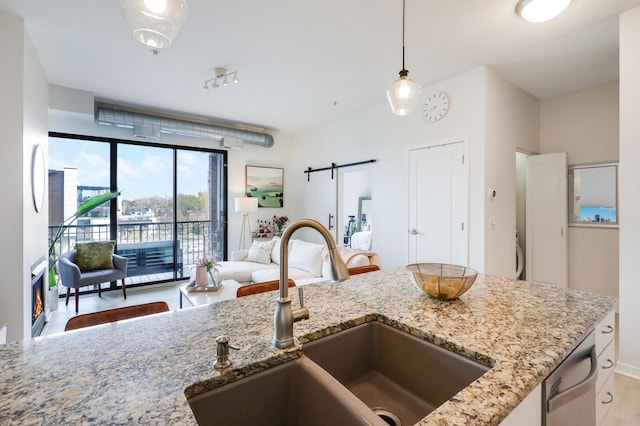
(265, 184)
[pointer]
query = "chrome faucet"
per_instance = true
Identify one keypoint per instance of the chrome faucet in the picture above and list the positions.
(284, 316)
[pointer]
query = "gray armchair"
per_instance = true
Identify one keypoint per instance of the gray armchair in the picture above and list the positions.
(72, 277)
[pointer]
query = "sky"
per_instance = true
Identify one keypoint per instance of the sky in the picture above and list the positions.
(142, 171)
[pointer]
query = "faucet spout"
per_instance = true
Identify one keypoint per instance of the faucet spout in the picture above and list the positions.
(284, 316)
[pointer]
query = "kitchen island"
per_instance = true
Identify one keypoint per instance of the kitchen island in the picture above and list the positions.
(141, 371)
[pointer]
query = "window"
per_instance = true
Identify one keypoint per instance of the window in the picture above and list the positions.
(169, 215)
(593, 195)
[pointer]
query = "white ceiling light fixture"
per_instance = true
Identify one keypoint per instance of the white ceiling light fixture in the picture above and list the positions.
(403, 93)
(156, 23)
(221, 77)
(541, 10)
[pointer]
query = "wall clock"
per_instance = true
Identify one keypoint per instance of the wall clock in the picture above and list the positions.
(436, 106)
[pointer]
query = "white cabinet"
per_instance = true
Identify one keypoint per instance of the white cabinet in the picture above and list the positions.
(528, 413)
(606, 350)
(604, 401)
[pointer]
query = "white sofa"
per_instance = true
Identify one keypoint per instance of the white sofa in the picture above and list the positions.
(307, 261)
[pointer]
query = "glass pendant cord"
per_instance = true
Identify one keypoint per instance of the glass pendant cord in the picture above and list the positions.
(403, 93)
(403, 15)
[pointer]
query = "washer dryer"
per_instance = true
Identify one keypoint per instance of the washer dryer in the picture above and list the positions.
(519, 258)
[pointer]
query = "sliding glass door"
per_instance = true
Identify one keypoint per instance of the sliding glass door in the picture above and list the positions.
(170, 214)
(200, 205)
(145, 174)
(78, 170)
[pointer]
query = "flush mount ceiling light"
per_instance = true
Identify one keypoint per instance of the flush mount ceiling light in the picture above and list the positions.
(541, 10)
(222, 77)
(403, 93)
(155, 23)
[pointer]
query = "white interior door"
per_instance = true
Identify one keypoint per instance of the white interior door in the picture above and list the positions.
(322, 196)
(546, 253)
(438, 206)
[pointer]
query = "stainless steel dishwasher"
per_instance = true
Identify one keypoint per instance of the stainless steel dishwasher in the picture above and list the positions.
(569, 392)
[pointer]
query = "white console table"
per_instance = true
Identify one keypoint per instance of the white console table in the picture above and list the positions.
(197, 298)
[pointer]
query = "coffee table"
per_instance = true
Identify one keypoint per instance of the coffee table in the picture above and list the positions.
(198, 298)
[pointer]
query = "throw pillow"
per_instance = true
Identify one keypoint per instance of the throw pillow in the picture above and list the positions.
(275, 252)
(306, 256)
(95, 255)
(260, 252)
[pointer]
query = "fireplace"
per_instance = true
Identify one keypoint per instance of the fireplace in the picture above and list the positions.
(37, 296)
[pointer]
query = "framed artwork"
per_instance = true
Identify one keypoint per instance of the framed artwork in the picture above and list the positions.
(265, 184)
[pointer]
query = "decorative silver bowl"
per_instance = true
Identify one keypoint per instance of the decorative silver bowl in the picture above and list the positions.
(441, 280)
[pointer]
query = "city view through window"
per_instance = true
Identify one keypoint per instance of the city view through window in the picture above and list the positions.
(170, 212)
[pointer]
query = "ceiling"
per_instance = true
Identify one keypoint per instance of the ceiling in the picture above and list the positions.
(304, 63)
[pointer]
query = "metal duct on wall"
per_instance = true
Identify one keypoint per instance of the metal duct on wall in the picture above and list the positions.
(174, 126)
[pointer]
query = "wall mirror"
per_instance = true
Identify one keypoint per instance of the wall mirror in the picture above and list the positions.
(354, 201)
(593, 195)
(365, 217)
(38, 176)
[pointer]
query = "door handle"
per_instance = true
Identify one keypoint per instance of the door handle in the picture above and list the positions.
(330, 218)
(579, 389)
(413, 231)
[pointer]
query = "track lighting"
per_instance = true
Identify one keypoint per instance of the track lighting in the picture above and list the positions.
(221, 77)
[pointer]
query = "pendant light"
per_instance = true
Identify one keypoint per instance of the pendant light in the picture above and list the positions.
(155, 23)
(541, 10)
(403, 93)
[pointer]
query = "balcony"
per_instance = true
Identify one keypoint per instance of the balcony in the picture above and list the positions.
(153, 252)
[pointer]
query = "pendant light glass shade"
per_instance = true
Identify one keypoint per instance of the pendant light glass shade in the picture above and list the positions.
(403, 94)
(541, 10)
(155, 23)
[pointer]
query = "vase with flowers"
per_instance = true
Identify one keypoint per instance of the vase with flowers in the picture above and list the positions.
(205, 268)
(279, 222)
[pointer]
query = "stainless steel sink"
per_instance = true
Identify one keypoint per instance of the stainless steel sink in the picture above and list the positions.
(295, 393)
(371, 374)
(392, 372)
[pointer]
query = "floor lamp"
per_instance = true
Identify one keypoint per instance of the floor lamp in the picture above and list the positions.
(245, 205)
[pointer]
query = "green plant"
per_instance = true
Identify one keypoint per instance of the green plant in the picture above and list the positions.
(83, 209)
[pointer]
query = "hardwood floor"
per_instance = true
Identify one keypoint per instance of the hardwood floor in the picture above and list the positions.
(626, 409)
(626, 405)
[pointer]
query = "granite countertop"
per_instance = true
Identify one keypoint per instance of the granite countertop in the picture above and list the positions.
(140, 371)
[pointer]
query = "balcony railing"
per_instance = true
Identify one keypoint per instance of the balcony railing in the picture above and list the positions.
(150, 245)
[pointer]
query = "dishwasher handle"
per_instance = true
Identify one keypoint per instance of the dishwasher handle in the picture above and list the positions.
(579, 389)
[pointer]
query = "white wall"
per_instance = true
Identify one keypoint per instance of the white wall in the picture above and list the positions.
(375, 133)
(277, 156)
(584, 124)
(23, 124)
(629, 173)
(491, 115)
(512, 122)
